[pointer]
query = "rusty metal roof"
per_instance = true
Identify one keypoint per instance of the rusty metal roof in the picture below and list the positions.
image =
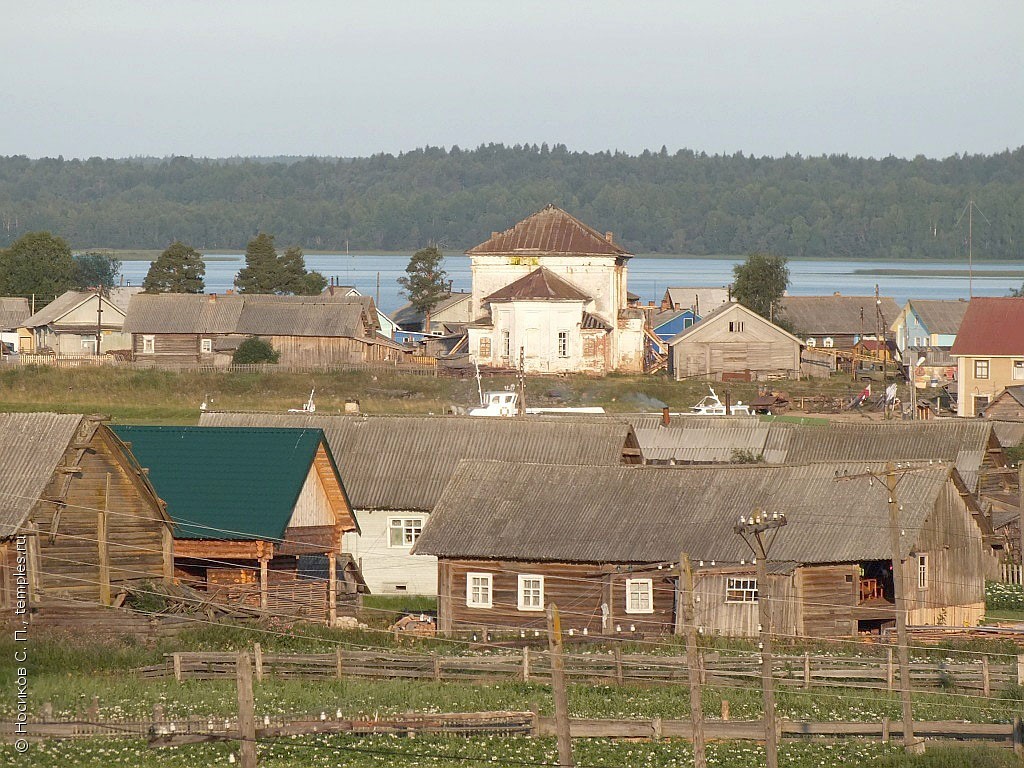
(834, 315)
(550, 231)
(31, 446)
(403, 462)
(650, 514)
(991, 326)
(14, 311)
(540, 285)
(940, 316)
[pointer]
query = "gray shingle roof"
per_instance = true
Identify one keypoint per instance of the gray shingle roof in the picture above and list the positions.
(647, 514)
(833, 315)
(704, 298)
(712, 440)
(14, 311)
(31, 446)
(403, 462)
(940, 316)
(256, 314)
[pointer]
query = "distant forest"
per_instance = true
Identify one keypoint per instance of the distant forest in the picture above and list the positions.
(818, 207)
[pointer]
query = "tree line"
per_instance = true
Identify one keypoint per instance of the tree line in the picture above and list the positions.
(832, 206)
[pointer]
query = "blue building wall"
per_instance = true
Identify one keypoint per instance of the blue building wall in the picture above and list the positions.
(677, 324)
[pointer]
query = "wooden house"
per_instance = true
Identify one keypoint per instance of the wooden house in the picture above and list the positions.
(76, 510)
(14, 311)
(1008, 405)
(668, 323)
(246, 505)
(454, 310)
(700, 300)
(604, 543)
(989, 350)
(395, 468)
(68, 325)
(837, 321)
(176, 329)
(928, 323)
(734, 342)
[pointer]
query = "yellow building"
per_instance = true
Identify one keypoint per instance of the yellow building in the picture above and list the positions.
(989, 351)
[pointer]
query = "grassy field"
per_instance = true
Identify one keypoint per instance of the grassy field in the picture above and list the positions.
(396, 752)
(156, 396)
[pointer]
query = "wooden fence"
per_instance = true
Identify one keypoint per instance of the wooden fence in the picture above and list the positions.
(804, 671)
(419, 366)
(1011, 573)
(172, 732)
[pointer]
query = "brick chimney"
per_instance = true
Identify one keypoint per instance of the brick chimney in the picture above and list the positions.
(213, 298)
(666, 417)
(608, 236)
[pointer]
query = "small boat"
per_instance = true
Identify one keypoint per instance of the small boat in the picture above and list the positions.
(506, 403)
(711, 405)
(307, 407)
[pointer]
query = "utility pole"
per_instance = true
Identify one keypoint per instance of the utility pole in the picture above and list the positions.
(246, 713)
(753, 532)
(558, 688)
(693, 661)
(890, 479)
(99, 318)
(522, 381)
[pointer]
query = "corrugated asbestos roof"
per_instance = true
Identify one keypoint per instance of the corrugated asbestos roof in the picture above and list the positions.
(403, 462)
(408, 314)
(648, 514)
(991, 326)
(253, 314)
(1010, 433)
(940, 316)
(550, 231)
(57, 308)
(712, 440)
(14, 311)
(541, 285)
(833, 315)
(706, 299)
(225, 484)
(31, 446)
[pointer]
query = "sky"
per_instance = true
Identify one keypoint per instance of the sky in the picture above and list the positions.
(345, 78)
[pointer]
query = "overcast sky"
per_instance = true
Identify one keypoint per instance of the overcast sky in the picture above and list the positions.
(868, 78)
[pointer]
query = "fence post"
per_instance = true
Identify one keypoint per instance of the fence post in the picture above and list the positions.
(618, 665)
(1018, 736)
(986, 685)
(725, 709)
(437, 667)
(1020, 669)
(526, 664)
(246, 713)
(176, 659)
(339, 667)
(257, 655)
(885, 730)
(888, 669)
(807, 670)
(656, 728)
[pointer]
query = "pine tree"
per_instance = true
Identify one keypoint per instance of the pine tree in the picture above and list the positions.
(293, 275)
(179, 269)
(426, 282)
(260, 273)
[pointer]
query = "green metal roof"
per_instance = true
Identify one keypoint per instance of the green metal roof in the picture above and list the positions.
(226, 483)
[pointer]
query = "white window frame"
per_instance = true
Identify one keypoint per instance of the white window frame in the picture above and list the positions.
(812, 342)
(829, 342)
(486, 582)
(740, 590)
(148, 344)
(206, 346)
(922, 571)
(735, 326)
(89, 342)
(530, 602)
(563, 343)
(978, 365)
(506, 344)
(485, 347)
(647, 586)
(410, 526)
(1018, 370)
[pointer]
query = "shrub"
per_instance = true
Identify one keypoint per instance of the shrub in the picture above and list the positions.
(254, 350)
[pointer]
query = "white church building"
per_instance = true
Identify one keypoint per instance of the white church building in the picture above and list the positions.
(552, 292)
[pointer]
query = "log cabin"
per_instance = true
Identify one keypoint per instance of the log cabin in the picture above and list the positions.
(249, 508)
(395, 468)
(77, 510)
(308, 331)
(604, 544)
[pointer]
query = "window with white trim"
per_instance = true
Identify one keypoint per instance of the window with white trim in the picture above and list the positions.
(206, 346)
(148, 345)
(485, 346)
(812, 342)
(403, 531)
(922, 571)
(639, 596)
(1018, 370)
(563, 343)
(89, 343)
(478, 590)
(981, 369)
(506, 344)
(735, 326)
(829, 342)
(531, 592)
(740, 590)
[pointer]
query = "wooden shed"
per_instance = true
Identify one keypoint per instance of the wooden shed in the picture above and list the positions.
(1008, 405)
(604, 544)
(734, 342)
(248, 505)
(395, 468)
(78, 517)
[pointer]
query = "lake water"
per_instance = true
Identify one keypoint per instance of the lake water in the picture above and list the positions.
(650, 276)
